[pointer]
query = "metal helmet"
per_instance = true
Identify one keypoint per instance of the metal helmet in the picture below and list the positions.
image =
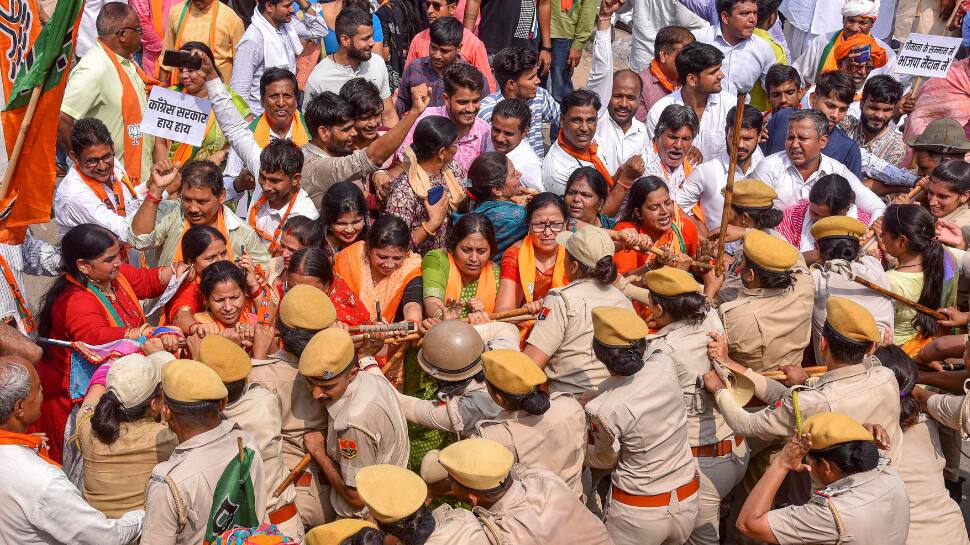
(452, 351)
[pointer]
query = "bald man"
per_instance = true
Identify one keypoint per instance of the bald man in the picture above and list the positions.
(619, 133)
(15, 346)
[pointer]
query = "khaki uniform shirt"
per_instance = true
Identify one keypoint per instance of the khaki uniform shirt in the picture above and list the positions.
(538, 509)
(951, 411)
(770, 327)
(458, 412)
(299, 411)
(321, 170)
(555, 440)
(195, 468)
(259, 413)
(872, 506)
(365, 427)
(115, 475)
(685, 343)
(640, 422)
(835, 279)
(456, 526)
(934, 518)
(564, 331)
(732, 276)
(870, 395)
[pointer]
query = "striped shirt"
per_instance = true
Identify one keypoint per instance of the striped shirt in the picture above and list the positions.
(544, 109)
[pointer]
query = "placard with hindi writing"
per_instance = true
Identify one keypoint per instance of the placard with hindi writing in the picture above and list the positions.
(177, 116)
(927, 55)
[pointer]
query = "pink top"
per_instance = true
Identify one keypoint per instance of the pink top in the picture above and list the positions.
(472, 51)
(151, 41)
(794, 221)
(470, 146)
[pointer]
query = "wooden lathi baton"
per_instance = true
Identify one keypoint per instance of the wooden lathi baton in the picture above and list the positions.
(899, 298)
(383, 328)
(495, 317)
(729, 187)
(615, 235)
(780, 375)
(294, 475)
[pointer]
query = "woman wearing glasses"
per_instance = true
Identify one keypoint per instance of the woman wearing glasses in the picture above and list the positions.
(538, 263)
(561, 341)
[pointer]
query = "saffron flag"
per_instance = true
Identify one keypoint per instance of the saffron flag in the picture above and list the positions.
(42, 59)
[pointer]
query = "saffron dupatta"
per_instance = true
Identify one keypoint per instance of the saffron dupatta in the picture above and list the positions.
(527, 268)
(352, 265)
(220, 226)
(486, 291)
(33, 442)
(262, 133)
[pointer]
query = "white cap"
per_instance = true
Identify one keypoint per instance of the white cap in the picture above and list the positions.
(133, 379)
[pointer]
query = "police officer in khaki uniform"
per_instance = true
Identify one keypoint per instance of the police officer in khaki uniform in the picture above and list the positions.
(179, 500)
(864, 501)
(559, 343)
(684, 321)
(365, 425)
(864, 390)
(769, 324)
(341, 530)
(639, 424)
(542, 431)
(303, 311)
(837, 240)
(518, 506)
(451, 353)
(257, 411)
(396, 498)
(752, 208)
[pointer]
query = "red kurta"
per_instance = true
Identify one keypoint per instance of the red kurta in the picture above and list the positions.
(78, 315)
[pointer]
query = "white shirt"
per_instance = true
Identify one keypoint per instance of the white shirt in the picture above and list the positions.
(649, 16)
(745, 63)
(269, 218)
(87, 32)
(32, 256)
(615, 146)
(75, 203)
(807, 62)
(557, 167)
(653, 165)
(777, 171)
(710, 140)
(525, 160)
(40, 506)
(812, 16)
(705, 182)
(328, 75)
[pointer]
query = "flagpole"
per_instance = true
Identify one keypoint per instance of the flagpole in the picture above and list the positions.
(21, 138)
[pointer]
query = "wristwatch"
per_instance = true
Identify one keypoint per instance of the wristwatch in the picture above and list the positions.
(544, 48)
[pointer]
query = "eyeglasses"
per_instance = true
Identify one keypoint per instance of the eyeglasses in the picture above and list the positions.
(555, 227)
(436, 5)
(93, 162)
(136, 29)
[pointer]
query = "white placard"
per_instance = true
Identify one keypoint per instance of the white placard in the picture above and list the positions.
(176, 116)
(927, 55)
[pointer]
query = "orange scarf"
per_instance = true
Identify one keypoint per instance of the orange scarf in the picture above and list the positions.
(262, 132)
(207, 317)
(662, 78)
(843, 48)
(527, 268)
(158, 18)
(688, 168)
(274, 239)
(589, 155)
(673, 239)
(33, 442)
(26, 318)
(485, 292)
(352, 265)
(220, 226)
(185, 152)
(113, 315)
(102, 194)
(131, 113)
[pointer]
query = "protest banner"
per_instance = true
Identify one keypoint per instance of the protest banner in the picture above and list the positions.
(176, 116)
(39, 74)
(927, 56)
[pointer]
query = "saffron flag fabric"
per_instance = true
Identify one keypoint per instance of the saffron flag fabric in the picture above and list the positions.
(43, 61)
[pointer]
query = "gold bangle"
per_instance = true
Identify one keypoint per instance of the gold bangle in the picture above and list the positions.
(426, 230)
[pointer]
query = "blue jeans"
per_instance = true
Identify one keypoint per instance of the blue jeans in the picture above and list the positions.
(559, 80)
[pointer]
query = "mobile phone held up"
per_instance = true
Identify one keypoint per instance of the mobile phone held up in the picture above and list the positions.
(181, 59)
(435, 194)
